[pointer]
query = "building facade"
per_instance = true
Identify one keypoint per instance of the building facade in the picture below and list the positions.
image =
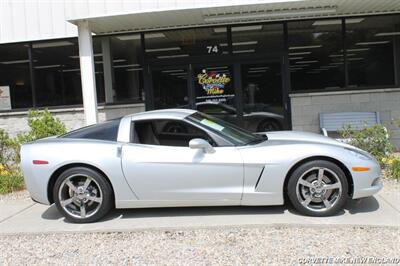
(89, 61)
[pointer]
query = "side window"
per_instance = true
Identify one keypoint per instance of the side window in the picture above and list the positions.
(167, 133)
(104, 131)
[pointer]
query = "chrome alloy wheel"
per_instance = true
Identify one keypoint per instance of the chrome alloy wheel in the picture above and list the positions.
(80, 196)
(319, 189)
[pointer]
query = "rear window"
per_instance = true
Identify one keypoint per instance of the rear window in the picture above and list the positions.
(104, 131)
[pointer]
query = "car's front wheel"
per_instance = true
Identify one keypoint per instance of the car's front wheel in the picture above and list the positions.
(82, 195)
(318, 188)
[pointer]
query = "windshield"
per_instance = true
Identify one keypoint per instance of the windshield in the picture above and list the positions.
(234, 134)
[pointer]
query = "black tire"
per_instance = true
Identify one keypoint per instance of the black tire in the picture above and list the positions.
(268, 125)
(329, 168)
(103, 191)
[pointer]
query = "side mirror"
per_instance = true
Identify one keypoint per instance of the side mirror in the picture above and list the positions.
(201, 144)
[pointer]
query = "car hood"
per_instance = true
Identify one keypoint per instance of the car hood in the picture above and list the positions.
(298, 137)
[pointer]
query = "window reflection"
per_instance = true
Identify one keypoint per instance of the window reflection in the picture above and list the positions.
(98, 68)
(170, 87)
(370, 50)
(57, 73)
(316, 54)
(119, 72)
(169, 45)
(14, 77)
(128, 68)
(257, 39)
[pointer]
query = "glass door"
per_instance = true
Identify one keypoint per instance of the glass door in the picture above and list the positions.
(214, 91)
(263, 107)
(170, 87)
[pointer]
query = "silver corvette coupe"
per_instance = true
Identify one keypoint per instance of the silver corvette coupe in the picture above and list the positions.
(133, 162)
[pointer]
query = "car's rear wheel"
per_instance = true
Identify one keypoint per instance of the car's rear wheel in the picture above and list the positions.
(318, 188)
(268, 125)
(82, 195)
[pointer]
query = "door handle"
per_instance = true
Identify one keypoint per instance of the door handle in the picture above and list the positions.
(119, 151)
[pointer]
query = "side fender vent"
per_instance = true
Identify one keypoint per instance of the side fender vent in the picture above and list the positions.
(259, 177)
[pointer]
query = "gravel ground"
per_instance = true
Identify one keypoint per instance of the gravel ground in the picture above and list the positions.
(18, 195)
(222, 246)
(390, 184)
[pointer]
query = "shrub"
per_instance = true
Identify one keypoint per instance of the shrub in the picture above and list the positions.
(10, 176)
(11, 181)
(374, 140)
(6, 150)
(42, 124)
(392, 164)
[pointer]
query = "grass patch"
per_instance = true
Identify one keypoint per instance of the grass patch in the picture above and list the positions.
(11, 183)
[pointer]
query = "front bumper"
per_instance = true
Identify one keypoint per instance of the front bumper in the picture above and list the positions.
(367, 183)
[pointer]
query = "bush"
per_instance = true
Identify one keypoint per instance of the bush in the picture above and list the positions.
(10, 182)
(41, 124)
(10, 175)
(392, 164)
(374, 140)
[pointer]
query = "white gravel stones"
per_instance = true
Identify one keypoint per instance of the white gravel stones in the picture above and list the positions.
(217, 246)
(18, 195)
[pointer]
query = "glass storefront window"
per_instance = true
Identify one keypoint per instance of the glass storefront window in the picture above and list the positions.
(186, 42)
(215, 91)
(128, 68)
(214, 83)
(57, 73)
(170, 87)
(370, 55)
(257, 39)
(98, 69)
(15, 84)
(316, 54)
(119, 72)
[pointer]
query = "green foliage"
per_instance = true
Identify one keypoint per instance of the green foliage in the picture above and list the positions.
(10, 183)
(6, 149)
(41, 124)
(392, 165)
(10, 176)
(374, 140)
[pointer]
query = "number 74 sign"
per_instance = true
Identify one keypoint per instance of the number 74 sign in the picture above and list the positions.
(212, 49)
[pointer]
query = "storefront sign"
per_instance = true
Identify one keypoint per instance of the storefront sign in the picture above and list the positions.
(212, 82)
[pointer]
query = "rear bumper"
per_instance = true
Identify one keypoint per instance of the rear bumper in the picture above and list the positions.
(37, 190)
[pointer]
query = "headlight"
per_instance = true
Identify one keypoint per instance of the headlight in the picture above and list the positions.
(360, 155)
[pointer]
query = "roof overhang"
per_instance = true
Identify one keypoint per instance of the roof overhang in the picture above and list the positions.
(246, 12)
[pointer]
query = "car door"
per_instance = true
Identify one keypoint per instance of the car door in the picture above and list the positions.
(178, 175)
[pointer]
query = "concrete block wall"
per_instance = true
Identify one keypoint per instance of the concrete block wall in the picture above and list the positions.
(73, 118)
(306, 107)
